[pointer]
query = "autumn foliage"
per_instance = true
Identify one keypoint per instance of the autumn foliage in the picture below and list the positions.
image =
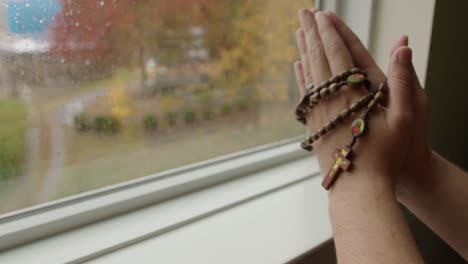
(118, 30)
(250, 42)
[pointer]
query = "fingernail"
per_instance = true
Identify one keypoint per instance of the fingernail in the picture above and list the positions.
(303, 13)
(405, 56)
(405, 39)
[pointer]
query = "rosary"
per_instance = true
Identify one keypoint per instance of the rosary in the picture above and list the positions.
(354, 78)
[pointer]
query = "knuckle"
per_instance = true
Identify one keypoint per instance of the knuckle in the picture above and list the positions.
(402, 78)
(334, 49)
(308, 29)
(316, 51)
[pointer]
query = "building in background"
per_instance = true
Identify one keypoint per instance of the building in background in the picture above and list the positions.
(23, 41)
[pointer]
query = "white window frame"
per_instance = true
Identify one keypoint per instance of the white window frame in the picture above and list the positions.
(41, 227)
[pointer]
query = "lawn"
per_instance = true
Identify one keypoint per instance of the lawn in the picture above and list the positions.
(13, 127)
(96, 161)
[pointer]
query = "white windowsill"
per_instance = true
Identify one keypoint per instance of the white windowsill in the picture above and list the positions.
(211, 187)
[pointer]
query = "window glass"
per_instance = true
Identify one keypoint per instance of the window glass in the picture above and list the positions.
(98, 92)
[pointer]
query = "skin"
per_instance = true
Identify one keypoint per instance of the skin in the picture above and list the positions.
(392, 161)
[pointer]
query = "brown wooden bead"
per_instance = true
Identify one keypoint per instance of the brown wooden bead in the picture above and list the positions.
(355, 107)
(381, 87)
(330, 126)
(345, 113)
(345, 75)
(316, 89)
(315, 97)
(379, 96)
(338, 119)
(310, 140)
(365, 100)
(335, 79)
(324, 92)
(316, 136)
(341, 84)
(372, 104)
(306, 146)
(322, 132)
(333, 88)
(325, 84)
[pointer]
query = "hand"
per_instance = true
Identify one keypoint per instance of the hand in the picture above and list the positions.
(395, 145)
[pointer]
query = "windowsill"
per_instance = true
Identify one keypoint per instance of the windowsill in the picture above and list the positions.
(169, 201)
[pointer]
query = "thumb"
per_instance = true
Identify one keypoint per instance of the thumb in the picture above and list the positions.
(400, 83)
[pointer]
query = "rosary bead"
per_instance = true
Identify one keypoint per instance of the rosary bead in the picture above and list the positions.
(316, 136)
(335, 79)
(324, 92)
(381, 87)
(379, 96)
(310, 141)
(333, 88)
(344, 75)
(315, 97)
(341, 84)
(322, 132)
(337, 119)
(355, 107)
(365, 100)
(325, 84)
(316, 89)
(330, 126)
(372, 104)
(355, 70)
(356, 80)
(307, 147)
(345, 113)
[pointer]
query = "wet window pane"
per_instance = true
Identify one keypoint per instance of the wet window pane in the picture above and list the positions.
(99, 92)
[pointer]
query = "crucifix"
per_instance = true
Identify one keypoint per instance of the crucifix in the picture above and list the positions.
(341, 163)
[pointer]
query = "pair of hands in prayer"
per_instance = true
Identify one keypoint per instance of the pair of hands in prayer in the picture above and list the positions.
(395, 146)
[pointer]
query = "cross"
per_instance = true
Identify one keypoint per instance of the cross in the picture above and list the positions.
(341, 163)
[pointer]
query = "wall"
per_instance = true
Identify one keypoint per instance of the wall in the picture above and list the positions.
(437, 33)
(397, 17)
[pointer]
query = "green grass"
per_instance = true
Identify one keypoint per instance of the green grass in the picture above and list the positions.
(13, 125)
(98, 161)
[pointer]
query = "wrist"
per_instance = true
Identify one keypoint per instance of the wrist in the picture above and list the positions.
(358, 187)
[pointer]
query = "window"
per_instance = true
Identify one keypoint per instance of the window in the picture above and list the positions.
(94, 93)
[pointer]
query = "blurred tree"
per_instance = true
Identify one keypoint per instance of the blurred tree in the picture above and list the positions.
(256, 62)
(124, 32)
(119, 102)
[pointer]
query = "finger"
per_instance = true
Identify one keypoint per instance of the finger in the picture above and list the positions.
(318, 61)
(337, 53)
(302, 46)
(402, 41)
(361, 55)
(298, 70)
(400, 83)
